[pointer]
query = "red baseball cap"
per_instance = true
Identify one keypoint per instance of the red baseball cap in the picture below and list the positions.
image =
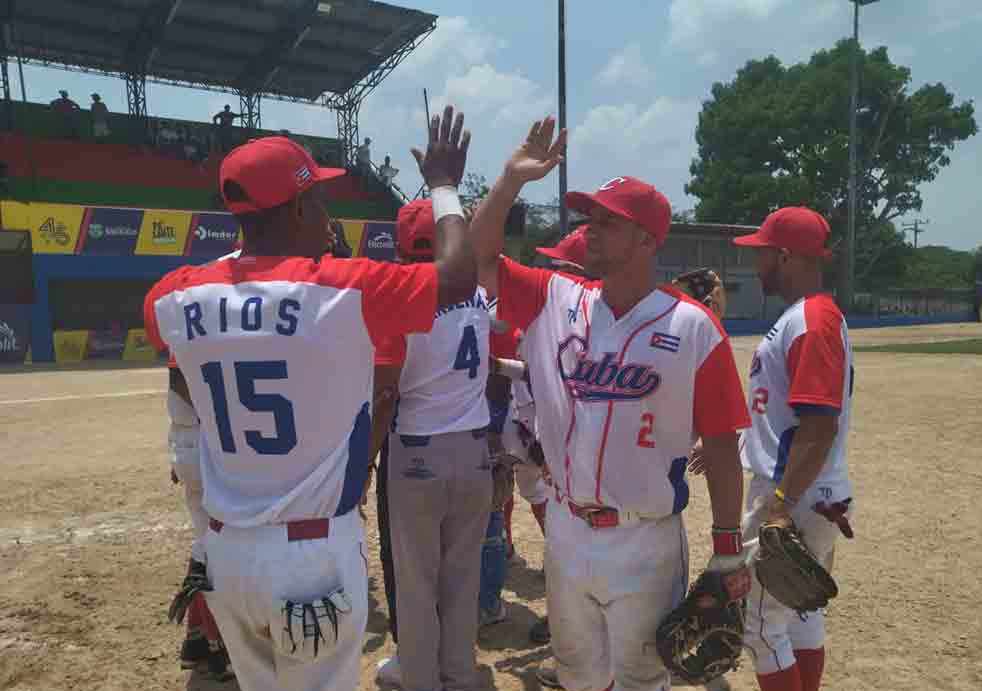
(571, 248)
(628, 198)
(794, 228)
(271, 171)
(416, 229)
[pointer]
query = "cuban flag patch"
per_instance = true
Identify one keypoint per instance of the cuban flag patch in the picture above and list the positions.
(665, 341)
(303, 175)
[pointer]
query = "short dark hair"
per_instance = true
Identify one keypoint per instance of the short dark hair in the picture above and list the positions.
(254, 224)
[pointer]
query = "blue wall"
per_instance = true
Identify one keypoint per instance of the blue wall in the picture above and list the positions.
(60, 266)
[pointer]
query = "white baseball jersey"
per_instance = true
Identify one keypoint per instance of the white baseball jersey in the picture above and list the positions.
(278, 356)
(805, 360)
(445, 372)
(620, 400)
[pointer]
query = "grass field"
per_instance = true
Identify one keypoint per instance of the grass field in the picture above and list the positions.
(971, 346)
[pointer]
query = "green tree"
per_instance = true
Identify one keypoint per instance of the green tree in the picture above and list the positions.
(940, 267)
(778, 135)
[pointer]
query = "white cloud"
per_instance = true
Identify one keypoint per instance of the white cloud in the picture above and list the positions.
(626, 68)
(456, 41)
(507, 97)
(654, 143)
(690, 20)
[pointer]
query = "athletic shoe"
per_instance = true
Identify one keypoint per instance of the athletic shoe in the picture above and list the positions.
(388, 672)
(193, 650)
(495, 616)
(219, 665)
(539, 633)
(547, 677)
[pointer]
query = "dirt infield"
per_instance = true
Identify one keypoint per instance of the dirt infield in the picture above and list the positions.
(94, 538)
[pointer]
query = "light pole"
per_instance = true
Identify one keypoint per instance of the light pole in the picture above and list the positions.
(849, 283)
(563, 213)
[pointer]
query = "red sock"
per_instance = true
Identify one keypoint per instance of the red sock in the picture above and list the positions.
(539, 511)
(509, 509)
(811, 662)
(208, 625)
(785, 680)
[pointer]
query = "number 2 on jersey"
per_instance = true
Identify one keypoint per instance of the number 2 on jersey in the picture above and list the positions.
(246, 374)
(468, 357)
(644, 434)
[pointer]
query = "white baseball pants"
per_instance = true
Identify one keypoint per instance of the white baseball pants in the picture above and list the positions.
(774, 631)
(183, 439)
(607, 590)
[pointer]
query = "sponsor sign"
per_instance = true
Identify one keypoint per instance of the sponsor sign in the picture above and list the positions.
(212, 234)
(163, 232)
(15, 330)
(378, 241)
(109, 231)
(55, 227)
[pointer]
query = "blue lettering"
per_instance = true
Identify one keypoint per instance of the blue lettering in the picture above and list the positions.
(290, 327)
(607, 372)
(192, 318)
(223, 315)
(256, 323)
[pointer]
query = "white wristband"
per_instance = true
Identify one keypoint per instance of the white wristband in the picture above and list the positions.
(512, 369)
(446, 202)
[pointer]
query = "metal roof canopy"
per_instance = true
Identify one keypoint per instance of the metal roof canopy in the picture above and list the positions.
(331, 54)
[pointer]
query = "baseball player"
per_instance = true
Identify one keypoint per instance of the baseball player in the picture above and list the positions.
(203, 642)
(800, 400)
(625, 375)
(285, 431)
(439, 482)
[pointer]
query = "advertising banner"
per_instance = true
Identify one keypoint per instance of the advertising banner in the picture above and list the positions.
(105, 345)
(163, 232)
(15, 333)
(55, 227)
(70, 346)
(138, 348)
(378, 241)
(212, 234)
(110, 231)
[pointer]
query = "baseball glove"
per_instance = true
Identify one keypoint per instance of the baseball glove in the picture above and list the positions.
(705, 286)
(196, 581)
(702, 638)
(788, 570)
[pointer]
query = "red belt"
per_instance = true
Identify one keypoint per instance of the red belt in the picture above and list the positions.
(310, 529)
(595, 516)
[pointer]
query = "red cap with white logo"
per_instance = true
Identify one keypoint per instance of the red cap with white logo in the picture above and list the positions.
(793, 228)
(571, 248)
(271, 171)
(628, 198)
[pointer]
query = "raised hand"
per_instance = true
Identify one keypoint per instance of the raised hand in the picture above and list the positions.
(539, 154)
(446, 152)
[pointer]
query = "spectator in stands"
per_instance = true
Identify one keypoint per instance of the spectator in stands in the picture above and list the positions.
(387, 172)
(365, 156)
(68, 109)
(225, 119)
(100, 117)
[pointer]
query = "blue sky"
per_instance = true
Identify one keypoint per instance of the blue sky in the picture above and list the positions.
(636, 75)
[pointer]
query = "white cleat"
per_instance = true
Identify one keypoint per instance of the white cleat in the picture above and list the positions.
(387, 672)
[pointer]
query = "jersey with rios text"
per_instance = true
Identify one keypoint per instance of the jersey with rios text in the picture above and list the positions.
(620, 401)
(278, 356)
(444, 372)
(804, 363)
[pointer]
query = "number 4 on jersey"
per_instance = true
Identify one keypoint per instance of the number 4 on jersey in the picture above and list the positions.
(468, 357)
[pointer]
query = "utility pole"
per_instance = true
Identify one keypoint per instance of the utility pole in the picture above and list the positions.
(915, 227)
(563, 212)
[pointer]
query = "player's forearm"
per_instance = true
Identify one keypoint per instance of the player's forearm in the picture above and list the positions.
(454, 253)
(809, 451)
(488, 224)
(724, 477)
(381, 424)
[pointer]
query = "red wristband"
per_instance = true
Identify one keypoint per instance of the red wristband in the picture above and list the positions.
(727, 542)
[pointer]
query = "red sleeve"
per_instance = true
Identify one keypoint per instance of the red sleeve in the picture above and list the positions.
(817, 358)
(719, 406)
(391, 351)
(397, 299)
(522, 292)
(167, 284)
(505, 344)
